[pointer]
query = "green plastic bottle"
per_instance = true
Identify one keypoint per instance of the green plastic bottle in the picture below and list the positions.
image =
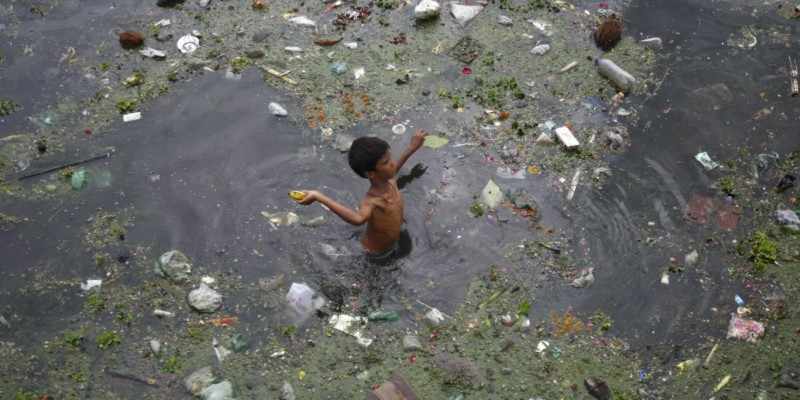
(383, 316)
(78, 179)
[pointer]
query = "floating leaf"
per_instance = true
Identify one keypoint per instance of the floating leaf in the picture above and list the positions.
(434, 142)
(524, 309)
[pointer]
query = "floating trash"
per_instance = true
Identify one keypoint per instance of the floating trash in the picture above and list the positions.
(585, 278)
(130, 117)
(542, 26)
(302, 20)
(745, 329)
(303, 300)
(540, 49)
(722, 383)
(508, 173)
(435, 142)
(542, 346)
(281, 218)
(219, 350)
(150, 52)
(566, 137)
(704, 159)
(79, 179)
(399, 129)
(338, 68)
(163, 313)
(277, 110)
(350, 325)
(188, 44)
(91, 284)
(491, 195)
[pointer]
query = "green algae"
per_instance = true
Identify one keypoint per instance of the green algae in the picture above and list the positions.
(8, 107)
(108, 339)
(135, 79)
(763, 251)
(7, 222)
(173, 364)
(126, 105)
(727, 185)
(107, 228)
(95, 303)
(387, 4)
(74, 338)
(240, 63)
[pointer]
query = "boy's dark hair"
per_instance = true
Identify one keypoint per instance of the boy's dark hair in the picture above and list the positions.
(364, 154)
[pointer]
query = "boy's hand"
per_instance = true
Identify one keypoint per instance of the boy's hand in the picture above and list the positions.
(418, 139)
(416, 142)
(311, 196)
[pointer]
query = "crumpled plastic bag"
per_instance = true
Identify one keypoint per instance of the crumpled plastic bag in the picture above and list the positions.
(745, 329)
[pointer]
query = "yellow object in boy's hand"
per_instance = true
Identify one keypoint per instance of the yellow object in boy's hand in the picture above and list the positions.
(297, 195)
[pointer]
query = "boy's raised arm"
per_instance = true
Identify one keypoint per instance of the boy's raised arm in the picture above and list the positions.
(416, 142)
(345, 213)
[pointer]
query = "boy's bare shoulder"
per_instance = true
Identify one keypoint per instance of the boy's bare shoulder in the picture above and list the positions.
(372, 200)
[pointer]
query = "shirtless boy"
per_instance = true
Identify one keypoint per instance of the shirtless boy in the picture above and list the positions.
(382, 207)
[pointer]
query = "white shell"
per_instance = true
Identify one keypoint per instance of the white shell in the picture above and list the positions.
(188, 44)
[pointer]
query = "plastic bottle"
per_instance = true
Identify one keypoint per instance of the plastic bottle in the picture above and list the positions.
(621, 78)
(384, 316)
(78, 179)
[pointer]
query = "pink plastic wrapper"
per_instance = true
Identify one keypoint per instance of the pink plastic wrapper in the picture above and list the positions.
(745, 329)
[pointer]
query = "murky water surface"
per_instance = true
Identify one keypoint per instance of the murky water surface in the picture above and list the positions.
(197, 171)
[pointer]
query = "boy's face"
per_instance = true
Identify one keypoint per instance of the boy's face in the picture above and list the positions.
(384, 169)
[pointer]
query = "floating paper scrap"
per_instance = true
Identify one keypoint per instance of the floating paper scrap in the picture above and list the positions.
(152, 53)
(705, 159)
(566, 137)
(350, 325)
(491, 195)
(91, 284)
(132, 117)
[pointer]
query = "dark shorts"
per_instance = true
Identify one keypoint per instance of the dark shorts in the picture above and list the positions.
(400, 248)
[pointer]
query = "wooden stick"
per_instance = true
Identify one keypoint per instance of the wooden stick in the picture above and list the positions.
(281, 75)
(109, 152)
